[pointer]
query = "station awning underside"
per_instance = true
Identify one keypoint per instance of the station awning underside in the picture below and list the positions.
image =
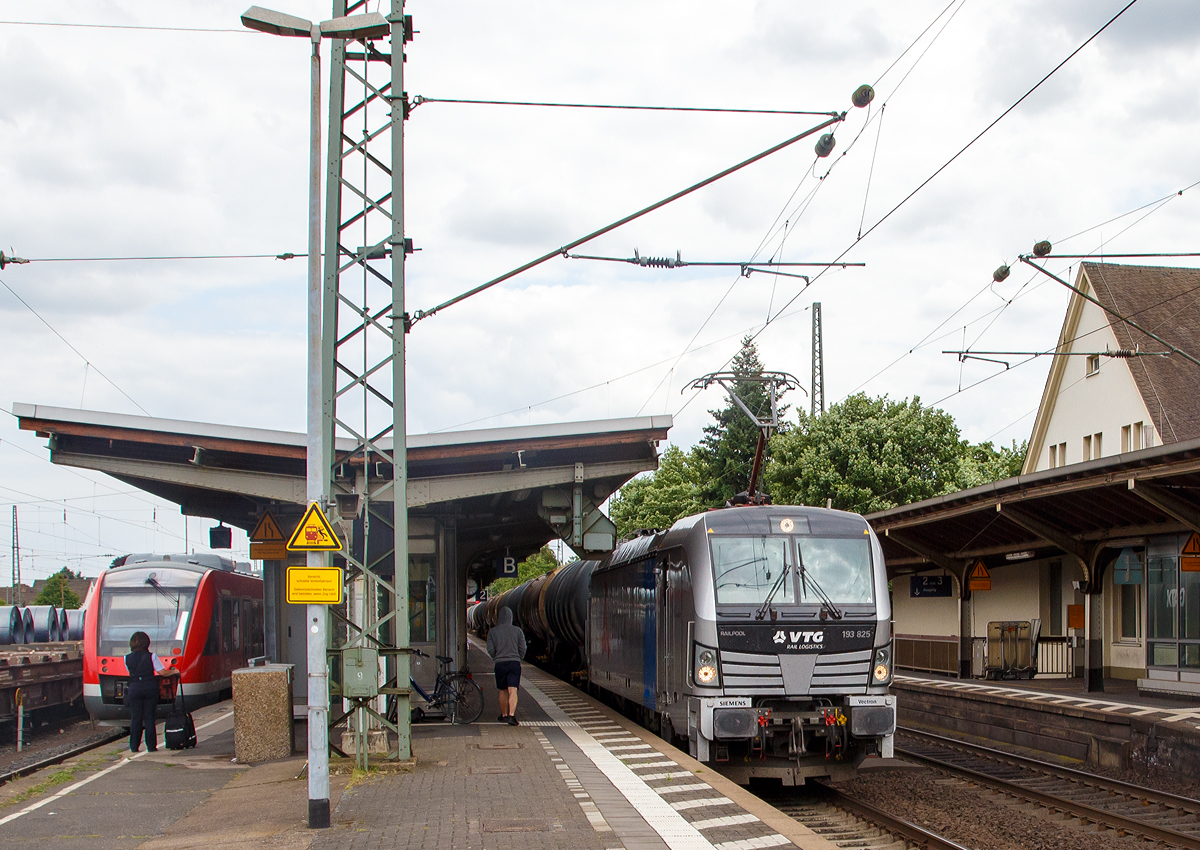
(1081, 511)
(492, 481)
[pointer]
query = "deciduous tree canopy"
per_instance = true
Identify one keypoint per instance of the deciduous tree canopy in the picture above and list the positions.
(55, 592)
(655, 501)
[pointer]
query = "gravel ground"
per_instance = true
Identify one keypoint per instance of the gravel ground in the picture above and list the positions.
(974, 816)
(56, 736)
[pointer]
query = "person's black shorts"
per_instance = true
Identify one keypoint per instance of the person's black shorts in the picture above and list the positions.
(508, 674)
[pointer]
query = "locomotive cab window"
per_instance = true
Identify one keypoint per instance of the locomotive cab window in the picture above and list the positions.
(747, 569)
(840, 566)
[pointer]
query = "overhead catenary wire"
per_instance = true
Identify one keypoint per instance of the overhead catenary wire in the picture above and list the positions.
(287, 255)
(424, 314)
(242, 31)
(89, 363)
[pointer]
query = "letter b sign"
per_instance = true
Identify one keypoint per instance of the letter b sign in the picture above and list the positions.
(509, 567)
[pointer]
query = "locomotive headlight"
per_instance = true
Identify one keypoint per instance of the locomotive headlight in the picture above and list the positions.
(883, 664)
(706, 668)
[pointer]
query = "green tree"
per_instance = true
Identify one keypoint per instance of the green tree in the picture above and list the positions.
(539, 563)
(727, 449)
(866, 455)
(55, 592)
(656, 500)
(982, 463)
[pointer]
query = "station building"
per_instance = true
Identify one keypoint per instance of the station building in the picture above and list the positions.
(1097, 543)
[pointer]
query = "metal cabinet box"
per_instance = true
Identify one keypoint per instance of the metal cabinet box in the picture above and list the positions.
(360, 672)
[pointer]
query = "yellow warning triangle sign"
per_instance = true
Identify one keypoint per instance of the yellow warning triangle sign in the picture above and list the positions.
(314, 533)
(267, 531)
(1192, 547)
(980, 571)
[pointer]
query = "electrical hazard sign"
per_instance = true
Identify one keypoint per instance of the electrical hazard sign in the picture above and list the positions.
(979, 578)
(314, 533)
(267, 540)
(1189, 558)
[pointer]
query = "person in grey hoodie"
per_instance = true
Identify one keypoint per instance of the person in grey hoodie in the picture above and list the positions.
(506, 646)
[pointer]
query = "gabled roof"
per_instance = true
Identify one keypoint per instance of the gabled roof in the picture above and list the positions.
(1165, 301)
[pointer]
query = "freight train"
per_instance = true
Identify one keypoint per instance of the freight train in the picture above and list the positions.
(758, 638)
(204, 616)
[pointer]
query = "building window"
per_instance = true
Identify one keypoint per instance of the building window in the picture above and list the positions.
(1093, 364)
(1125, 438)
(1062, 454)
(1053, 456)
(1087, 447)
(1136, 440)
(1130, 610)
(1097, 441)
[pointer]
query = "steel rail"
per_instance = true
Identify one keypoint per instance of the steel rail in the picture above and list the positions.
(1163, 797)
(891, 823)
(1082, 811)
(59, 758)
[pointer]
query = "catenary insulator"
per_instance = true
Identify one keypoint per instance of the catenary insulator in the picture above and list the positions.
(862, 96)
(1001, 274)
(824, 145)
(1042, 248)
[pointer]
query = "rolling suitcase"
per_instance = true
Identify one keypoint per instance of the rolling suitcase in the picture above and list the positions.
(179, 731)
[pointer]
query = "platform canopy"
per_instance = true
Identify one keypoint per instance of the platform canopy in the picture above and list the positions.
(1082, 511)
(508, 489)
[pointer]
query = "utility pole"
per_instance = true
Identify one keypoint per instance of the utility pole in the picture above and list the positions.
(817, 396)
(15, 595)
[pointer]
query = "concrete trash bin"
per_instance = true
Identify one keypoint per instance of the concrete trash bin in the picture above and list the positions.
(262, 713)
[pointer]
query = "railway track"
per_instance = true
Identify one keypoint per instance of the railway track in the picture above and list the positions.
(847, 822)
(59, 755)
(1129, 809)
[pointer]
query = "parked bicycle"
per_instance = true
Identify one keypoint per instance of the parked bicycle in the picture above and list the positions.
(455, 695)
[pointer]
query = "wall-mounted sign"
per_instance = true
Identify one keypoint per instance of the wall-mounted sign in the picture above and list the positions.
(920, 587)
(1189, 558)
(267, 540)
(1075, 619)
(979, 578)
(1128, 567)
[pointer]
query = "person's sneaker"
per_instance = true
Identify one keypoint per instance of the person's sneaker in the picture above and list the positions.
(512, 720)
(503, 718)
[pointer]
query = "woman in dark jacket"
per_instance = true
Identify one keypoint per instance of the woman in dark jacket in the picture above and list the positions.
(141, 694)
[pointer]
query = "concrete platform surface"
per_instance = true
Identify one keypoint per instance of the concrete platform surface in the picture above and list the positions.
(574, 774)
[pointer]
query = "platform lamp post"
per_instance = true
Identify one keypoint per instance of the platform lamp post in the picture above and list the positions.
(320, 451)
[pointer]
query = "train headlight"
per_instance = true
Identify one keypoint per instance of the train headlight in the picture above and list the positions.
(883, 665)
(707, 671)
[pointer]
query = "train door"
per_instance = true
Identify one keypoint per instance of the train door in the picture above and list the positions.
(675, 649)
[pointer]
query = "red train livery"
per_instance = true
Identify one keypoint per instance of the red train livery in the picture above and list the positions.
(204, 618)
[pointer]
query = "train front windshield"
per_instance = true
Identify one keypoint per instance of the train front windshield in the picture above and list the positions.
(746, 569)
(157, 602)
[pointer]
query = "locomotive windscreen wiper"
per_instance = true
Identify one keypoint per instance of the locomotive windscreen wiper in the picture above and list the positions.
(826, 603)
(766, 606)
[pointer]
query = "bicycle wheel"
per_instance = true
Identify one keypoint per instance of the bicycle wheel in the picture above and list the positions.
(464, 702)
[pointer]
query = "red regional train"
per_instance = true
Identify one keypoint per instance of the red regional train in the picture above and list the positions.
(204, 618)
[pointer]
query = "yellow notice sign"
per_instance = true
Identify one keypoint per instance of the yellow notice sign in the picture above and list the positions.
(314, 533)
(979, 578)
(314, 585)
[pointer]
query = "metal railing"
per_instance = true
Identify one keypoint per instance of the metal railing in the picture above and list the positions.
(939, 654)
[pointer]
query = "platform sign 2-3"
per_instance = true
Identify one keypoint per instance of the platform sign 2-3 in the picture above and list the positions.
(920, 587)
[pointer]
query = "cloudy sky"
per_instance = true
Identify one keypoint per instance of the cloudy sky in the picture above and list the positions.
(127, 142)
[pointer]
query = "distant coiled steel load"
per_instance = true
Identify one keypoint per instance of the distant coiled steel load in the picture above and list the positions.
(75, 620)
(45, 623)
(473, 613)
(27, 623)
(565, 600)
(64, 625)
(12, 625)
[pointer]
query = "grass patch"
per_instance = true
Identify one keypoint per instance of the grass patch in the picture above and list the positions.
(59, 777)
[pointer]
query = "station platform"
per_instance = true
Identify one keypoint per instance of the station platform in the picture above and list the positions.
(1117, 727)
(572, 774)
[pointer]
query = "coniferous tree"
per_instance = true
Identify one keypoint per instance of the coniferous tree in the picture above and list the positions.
(726, 452)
